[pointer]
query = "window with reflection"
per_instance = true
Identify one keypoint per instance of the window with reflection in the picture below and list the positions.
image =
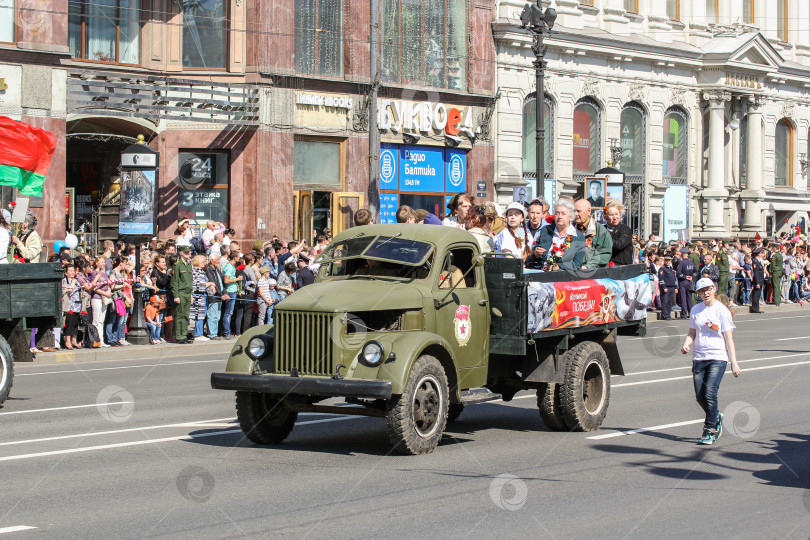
(632, 139)
(319, 37)
(587, 143)
(6, 21)
(205, 38)
(783, 153)
(675, 145)
(782, 22)
(743, 165)
(748, 11)
(529, 135)
(674, 9)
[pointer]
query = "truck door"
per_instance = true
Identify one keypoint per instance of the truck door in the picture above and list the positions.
(462, 318)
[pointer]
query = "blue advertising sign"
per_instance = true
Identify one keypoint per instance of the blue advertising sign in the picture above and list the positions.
(421, 168)
(456, 179)
(389, 165)
(389, 202)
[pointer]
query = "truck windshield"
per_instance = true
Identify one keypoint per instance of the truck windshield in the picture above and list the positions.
(384, 248)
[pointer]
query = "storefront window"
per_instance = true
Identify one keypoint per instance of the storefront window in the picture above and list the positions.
(632, 140)
(784, 153)
(586, 138)
(425, 42)
(205, 39)
(675, 147)
(6, 21)
(105, 30)
(317, 163)
(203, 181)
(529, 141)
(319, 37)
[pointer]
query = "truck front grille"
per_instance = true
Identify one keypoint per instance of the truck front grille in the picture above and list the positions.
(303, 342)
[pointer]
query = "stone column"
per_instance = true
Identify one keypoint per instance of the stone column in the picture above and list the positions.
(753, 194)
(716, 194)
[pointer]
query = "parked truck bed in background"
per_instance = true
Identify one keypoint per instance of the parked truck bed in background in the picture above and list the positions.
(405, 322)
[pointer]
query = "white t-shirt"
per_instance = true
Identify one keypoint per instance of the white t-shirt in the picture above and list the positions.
(710, 323)
(452, 221)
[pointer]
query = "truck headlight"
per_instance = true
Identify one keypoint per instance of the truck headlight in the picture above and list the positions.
(372, 354)
(257, 347)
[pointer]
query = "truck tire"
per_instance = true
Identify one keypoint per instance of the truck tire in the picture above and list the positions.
(415, 420)
(263, 418)
(548, 402)
(454, 411)
(6, 370)
(586, 391)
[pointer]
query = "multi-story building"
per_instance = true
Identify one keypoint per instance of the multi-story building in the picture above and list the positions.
(704, 105)
(259, 109)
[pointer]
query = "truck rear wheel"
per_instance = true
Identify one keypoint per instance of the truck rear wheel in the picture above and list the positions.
(263, 418)
(416, 419)
(454, 411)
(548, 401)
(6, 369)
(586, 390)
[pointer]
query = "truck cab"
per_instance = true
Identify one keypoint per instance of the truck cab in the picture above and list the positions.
(401, 324)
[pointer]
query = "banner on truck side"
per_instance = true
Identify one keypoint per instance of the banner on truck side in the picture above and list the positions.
(570, 304)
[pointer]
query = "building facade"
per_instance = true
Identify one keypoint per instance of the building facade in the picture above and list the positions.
(702, 105)
(260, 110)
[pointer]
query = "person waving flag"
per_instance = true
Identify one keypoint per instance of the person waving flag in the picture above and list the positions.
(25, 155)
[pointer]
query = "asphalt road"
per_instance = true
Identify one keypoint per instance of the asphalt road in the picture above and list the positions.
(161, 457)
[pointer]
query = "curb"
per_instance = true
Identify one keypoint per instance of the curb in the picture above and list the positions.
(743, 310)
(134, 352)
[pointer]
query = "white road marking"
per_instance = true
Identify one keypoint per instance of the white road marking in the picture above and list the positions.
(643, 430)
(689, 376)
(118, 367)
(188, 437)
(738, 361)
(792, 338)
(70, 407)
(16, 528)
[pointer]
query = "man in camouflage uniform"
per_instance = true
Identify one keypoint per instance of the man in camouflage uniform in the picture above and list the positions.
(182, 287)
(721, 261)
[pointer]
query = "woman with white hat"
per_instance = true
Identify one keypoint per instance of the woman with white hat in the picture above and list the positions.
(710, 330)
(513, 239)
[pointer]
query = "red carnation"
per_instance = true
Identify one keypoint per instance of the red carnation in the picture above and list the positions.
(12, 204)
(550, 218)
(240, 267)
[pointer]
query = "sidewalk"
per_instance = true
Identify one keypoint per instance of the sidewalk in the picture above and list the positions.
(743, 310)
(135, 352)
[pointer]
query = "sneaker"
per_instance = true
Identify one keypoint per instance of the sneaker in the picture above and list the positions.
(707, 437)
(214, 338)
(719, 427)
(230, 337)
(105, 344)
(201, 338)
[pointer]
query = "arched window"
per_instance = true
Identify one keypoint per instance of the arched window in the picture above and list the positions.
(784, 153)
(529, 141)
(587, 137)
(676, 146)
(633, 137)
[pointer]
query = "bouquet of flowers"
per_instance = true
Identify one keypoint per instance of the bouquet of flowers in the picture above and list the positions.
(556, 253)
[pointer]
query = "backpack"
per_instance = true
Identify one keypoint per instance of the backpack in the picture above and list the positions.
(91, 338)
(196, 246)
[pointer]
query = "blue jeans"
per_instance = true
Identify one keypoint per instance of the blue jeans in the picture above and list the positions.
(227, 313)
(111, 324)
(213, 313)
(154, 331)
(199, 326)
(706, 375)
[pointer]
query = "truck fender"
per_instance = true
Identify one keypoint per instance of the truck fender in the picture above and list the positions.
(612, 352)
(408, 347)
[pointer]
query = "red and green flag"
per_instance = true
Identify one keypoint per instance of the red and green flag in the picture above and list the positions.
(25, 155)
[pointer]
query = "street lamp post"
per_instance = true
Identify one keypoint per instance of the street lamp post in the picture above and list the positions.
(539, 23)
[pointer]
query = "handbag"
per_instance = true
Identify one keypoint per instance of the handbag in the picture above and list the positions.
(120, 308)
(106, 300)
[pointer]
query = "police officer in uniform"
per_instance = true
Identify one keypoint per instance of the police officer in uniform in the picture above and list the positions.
(758, 275)
(686, 276)
(722, 264)
(182, 287)
(667, 282)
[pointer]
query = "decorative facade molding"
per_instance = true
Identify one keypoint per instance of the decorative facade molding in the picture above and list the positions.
(637, 93)
(679, 97)
(716, 95)
(591, 87)
(788, 109)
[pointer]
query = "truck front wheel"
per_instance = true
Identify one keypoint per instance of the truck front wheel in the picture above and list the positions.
(416, 419)
(6, 370)
(263, 418)
(586, 391)
(548, 401)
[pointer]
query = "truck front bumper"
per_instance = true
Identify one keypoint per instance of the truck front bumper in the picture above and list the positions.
(306, 386)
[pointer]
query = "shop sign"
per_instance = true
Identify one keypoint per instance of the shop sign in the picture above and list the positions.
(389, 163)
(456, 171)
(425, 117)
(324, 100)
(389, 202)
(422, 168)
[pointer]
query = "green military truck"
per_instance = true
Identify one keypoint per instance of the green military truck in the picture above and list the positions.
(30, 297)
(411, 322)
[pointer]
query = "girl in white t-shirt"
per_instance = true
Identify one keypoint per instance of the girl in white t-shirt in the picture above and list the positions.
(710, 329)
